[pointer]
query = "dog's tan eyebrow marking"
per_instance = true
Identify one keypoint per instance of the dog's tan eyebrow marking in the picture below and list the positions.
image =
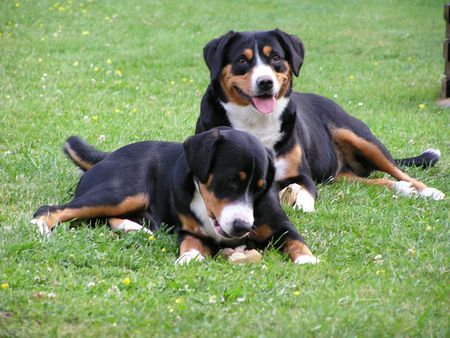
(267, 50)
(248, 53)
(261, 183)
(242, 176)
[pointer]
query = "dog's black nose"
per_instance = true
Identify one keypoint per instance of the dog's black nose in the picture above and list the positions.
(264, 83)
(240, 228)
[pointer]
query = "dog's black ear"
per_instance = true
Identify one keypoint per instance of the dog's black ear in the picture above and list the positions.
(199, 151)
(294, 48)
(213, 53)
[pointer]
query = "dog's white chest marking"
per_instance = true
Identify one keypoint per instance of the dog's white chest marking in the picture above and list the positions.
(266, 127)
(280, 169)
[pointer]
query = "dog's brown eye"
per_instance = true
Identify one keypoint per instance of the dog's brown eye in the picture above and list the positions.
(241, 60)
(233, 180)
(276, 58)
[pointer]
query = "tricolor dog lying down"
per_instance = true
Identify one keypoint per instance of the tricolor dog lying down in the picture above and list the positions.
(313, 138)
(215, 188)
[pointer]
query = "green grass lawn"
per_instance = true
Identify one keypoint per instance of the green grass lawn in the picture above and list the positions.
(118, 72)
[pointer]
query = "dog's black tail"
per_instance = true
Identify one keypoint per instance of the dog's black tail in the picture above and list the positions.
(427, 159)
(83, 154)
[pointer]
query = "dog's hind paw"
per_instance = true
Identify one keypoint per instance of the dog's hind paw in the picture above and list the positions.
(42, 227)
(189, 256)
(127, 226)
(405, 188)
(432, 193)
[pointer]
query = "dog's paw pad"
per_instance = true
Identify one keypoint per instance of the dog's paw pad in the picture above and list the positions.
(306, 259)
(405, 188)
(432, 193)
(189, 256)
(42, 227)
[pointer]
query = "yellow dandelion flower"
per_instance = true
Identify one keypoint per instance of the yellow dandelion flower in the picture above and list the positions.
(109, 61)
(422, 106)
(17, 4)
(5, 286)
(380, 272)
(85, 33)
(296, 293)
(134, 110)
(351, 77)
(126, 281)
(172, 82)
(179, 300)
(191, 81)
(95, 117)
(151, 238)
(117, 110)
(184, 79)
(119, 72)
(76, 63)
(429, 228)
(96, 69)
(61, 9)
(163, 250)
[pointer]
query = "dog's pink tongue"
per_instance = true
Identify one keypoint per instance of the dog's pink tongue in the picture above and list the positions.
(265, 105)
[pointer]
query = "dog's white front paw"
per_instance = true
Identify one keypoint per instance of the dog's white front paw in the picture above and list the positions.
(432, 193)
(405, 188)
(189, 256)
(306, 259)
(297, 196)
(42, 227)
(304, 201)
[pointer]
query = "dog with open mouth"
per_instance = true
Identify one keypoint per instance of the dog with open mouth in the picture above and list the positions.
(215, 189)
(313, 138)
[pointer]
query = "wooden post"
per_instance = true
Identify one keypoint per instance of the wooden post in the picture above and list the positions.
(445, 91)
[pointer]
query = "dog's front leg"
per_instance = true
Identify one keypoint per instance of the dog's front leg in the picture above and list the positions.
(299, 192)
(191, 249)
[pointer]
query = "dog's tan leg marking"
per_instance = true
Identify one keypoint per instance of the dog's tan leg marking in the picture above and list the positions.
(192, 249)
(52, 218)
(299, 252)
(372, 153)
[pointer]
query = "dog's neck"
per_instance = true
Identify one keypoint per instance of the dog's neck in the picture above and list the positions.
(266, 127)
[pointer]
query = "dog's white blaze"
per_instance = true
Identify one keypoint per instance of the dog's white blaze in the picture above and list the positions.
(263, 69)
(265, 127)
(236, 211)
